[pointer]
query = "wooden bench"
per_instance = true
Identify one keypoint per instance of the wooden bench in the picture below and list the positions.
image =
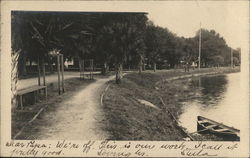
(35, 89)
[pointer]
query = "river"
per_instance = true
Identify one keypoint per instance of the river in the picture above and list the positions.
(218, 98)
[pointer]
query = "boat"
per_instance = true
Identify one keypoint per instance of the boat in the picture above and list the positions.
(205, 125)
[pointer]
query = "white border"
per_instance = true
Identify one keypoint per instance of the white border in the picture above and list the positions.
(7, 6)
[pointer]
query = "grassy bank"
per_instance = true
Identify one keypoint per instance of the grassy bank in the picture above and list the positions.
(128, 119)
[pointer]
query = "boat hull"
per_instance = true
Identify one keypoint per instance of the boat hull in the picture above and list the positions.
(207, 126)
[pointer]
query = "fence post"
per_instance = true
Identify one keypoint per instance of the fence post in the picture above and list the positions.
(58, 71)
(44, 82)
(39, 73)
(62, 71)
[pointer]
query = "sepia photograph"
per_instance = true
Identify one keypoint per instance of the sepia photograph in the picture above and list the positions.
(162, 71)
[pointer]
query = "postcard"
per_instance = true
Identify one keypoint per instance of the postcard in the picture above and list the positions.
(124, 78)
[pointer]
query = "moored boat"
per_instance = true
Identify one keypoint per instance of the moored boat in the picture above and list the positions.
(205, 125)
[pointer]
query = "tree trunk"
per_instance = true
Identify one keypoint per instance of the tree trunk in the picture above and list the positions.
(14, 78)
(50, 63)
(143, 66)
(105, 68)
(140, 66)
(154, 67)
(30, 63)
(118, 73)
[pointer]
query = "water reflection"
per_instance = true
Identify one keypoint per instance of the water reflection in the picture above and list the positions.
(216, 98)
(211, 89)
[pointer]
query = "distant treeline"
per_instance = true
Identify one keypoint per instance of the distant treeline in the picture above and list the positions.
(115, 40)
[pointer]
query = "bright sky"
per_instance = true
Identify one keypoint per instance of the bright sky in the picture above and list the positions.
(228, 18)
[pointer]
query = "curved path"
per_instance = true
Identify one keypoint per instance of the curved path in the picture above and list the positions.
(78, 117)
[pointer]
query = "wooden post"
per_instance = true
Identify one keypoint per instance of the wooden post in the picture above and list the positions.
(58, 71)
(44, 81)
(80, 68)
(21, 101)
(39, 73)
(199, 66)
(231, 57)
(144, 66)
(83, 69)
(62, 71)
(46, 93)
(154, 66)
(92, 68)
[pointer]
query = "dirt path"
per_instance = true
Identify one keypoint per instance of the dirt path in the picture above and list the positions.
(78, 117)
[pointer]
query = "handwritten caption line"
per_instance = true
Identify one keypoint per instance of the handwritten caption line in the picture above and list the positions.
(116, 149)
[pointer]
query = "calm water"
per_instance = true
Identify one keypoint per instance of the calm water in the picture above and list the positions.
(218, 98)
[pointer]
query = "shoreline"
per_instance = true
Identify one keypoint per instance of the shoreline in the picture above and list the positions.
(120, 105)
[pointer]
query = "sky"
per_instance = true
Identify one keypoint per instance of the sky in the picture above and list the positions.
(228, 18)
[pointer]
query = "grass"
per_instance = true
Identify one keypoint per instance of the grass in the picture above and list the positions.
(21, 117)
(127, 119)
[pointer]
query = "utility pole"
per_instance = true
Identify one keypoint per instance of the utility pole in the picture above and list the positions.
(232, 62)
(200, 48)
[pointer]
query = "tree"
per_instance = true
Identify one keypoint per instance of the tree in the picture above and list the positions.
(217, 60)
(212, 44)
(42, 32)
(123, 37)
(159, 44)
(19, 38)
(112, 40)
(236, 61)
(16, 45)
(153, 43)
(104, 42)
